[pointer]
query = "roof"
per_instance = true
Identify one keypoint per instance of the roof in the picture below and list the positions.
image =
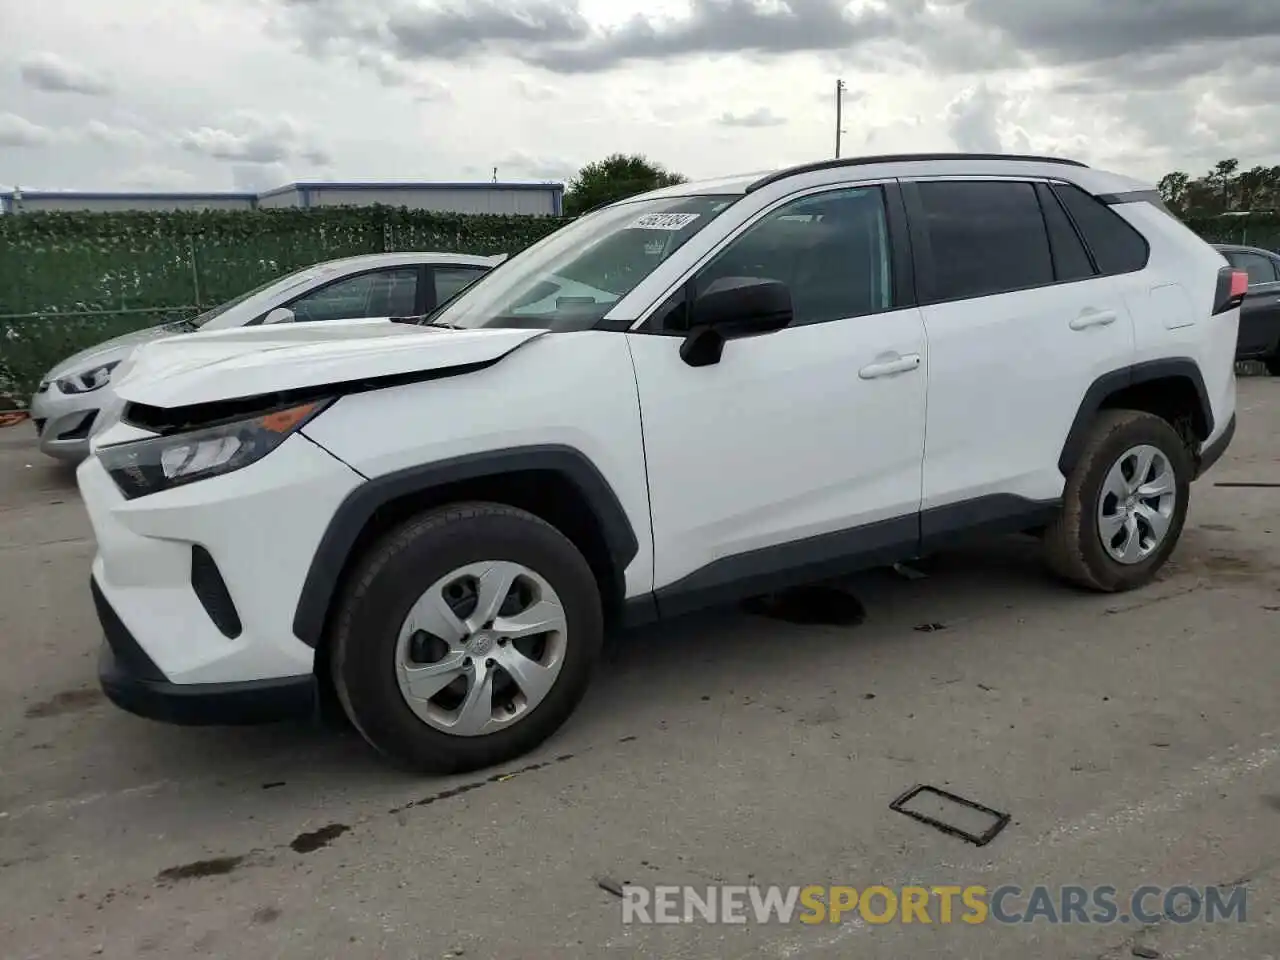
(877, 167)
(413, 256)
(411, 185)
(318, 185)
(122, 195)
(1245, 248)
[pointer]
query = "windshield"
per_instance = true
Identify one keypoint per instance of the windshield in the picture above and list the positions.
(284, 283)
(570, 279)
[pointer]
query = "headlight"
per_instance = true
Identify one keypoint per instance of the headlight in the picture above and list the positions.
(88, 381)
(149, 466)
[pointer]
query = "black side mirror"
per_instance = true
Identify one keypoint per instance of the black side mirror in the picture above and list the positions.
(733, 307)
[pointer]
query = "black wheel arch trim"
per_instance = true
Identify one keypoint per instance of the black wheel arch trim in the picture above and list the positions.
(1214, 451)
(360, 505)
(1117, 380)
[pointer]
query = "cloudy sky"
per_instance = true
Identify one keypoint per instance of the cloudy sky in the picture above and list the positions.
(250, 94)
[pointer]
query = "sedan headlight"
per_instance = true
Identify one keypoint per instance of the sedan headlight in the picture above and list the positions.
(90, 380)
(148, 466)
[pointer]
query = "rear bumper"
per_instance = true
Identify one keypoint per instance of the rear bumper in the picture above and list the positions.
(132, 681)
(1212, 453)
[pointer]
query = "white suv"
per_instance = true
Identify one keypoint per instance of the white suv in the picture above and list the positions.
(708, 392)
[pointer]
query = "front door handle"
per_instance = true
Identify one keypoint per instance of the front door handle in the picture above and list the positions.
(888, 368)
(1093, 318)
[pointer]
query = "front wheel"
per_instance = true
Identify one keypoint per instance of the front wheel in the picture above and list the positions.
(1124, 504)
(1273, 365)
(466, 637)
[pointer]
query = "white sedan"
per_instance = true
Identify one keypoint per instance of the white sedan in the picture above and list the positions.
(75, 398)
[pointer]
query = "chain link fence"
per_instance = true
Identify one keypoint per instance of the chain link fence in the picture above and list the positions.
(1251, 231)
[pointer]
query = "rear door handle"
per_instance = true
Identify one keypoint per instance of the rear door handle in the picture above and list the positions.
(1093, 318)
(888, 368)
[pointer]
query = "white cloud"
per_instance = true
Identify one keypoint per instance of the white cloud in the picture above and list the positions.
(158, 177)
(50, 73)
(759, 117)
(16, 131)
(259, 177)
(523, 165)
(973, 120)
(122, 137)
(248, 137)
(445, 89)
(527, 88)
(426, 90)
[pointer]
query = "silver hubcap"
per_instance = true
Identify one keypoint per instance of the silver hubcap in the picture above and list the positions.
(481, 648)
(1136, 505)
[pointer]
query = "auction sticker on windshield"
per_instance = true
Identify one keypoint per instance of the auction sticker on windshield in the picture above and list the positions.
(663, 221)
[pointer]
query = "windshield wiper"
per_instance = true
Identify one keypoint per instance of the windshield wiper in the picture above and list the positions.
(426, 321)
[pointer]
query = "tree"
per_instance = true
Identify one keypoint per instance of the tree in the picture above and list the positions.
(1173, 189)
(1223, 189)
(1222, 179)
(616, 177)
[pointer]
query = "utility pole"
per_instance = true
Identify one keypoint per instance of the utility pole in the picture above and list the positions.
(840, 88)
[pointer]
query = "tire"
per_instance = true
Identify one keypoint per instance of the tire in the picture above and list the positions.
(369, 630)
(1273, 365)
(1073, 544)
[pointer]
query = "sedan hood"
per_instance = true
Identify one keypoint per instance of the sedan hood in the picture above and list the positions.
(110, 351)
(250, 361)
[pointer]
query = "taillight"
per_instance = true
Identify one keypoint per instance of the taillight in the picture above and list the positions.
(1239, 283)
(1233, 284)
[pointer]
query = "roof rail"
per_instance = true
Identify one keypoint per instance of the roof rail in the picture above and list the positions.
(898, 158)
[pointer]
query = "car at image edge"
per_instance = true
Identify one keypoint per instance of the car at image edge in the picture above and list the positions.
(1260, 312)
(708, 392)
(71, 398)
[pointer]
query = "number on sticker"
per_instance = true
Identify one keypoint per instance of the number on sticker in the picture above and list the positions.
(663, 221)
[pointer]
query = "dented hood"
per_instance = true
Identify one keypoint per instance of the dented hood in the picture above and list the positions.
(249, 361)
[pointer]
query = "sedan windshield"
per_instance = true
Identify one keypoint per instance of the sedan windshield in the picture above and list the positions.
(570, 280)
(286, 282)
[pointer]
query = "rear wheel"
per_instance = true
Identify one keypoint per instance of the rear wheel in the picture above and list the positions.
(1273, 365)
(1124, 504)
(466, 638)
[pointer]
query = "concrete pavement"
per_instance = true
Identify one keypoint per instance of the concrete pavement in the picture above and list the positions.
(1134, 740)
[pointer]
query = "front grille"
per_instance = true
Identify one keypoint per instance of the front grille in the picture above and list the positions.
(211, 590)
(81, 430)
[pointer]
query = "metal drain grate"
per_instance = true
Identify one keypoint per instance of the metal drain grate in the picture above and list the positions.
(952, 814)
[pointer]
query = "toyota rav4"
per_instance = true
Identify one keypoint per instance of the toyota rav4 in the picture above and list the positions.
(709, 392)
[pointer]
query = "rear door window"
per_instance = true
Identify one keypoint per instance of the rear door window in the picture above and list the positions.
(986, 237)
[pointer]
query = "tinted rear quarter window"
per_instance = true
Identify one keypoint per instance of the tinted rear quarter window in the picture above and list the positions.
(987, 237)
(1116, 246)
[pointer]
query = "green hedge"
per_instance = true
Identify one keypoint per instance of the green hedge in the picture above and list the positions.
(1254, 230)
(69, 280)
